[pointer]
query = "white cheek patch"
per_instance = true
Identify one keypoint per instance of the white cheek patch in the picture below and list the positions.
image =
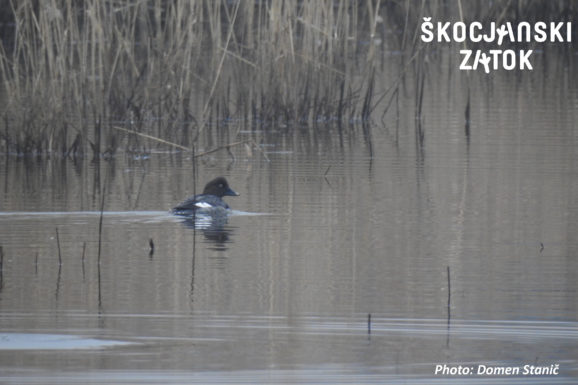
(203, 205)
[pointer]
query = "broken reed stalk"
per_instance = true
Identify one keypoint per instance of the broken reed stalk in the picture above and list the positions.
(58, 244)
(151, 248)
(98, 266)
(82, 258)
(58, 278)
(368, 325)
(152, 138)
(467, 118)
(100, 224)
(449, 295)
(195, 155)
(449, 307)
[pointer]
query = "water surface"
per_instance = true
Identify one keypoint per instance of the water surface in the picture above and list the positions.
(463, 249)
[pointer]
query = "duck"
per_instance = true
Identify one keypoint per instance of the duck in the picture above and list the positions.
(210, 201)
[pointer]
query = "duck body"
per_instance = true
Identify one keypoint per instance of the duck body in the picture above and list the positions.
(209, 202)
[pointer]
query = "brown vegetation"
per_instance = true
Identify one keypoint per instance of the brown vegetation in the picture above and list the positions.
(94, 76)
(72, 71)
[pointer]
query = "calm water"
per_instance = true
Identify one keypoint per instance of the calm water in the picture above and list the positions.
(328, 229)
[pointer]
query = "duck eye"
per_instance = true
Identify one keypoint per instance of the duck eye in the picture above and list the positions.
(221, 185)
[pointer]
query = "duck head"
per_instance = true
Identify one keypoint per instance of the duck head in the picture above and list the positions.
(219, 187)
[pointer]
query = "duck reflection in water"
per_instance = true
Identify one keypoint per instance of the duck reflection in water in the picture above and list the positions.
(214, 229)
(208, 211)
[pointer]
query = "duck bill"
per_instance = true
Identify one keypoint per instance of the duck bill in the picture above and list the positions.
(231, 193)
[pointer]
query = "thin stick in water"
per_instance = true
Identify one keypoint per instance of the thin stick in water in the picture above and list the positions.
(99, 247)
(160, 140)
(100, 223)
(449, 294)
(368, 325)
(449, 307)
(83, 254)
(1, 267)
(58, 244)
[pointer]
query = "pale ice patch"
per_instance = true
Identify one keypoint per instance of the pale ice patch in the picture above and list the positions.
(36, 341)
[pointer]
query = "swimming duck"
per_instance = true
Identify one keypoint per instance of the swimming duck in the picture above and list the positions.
(209, 201)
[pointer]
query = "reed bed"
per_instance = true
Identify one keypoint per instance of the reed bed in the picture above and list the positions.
(75, 73)
(92, 76)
